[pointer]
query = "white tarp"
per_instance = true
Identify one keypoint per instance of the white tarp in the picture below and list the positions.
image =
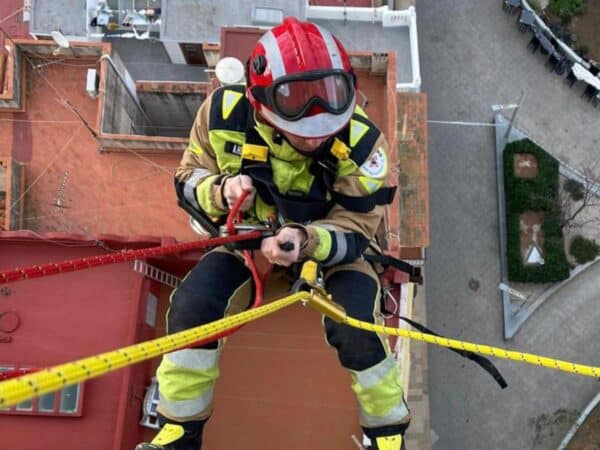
(583, 74)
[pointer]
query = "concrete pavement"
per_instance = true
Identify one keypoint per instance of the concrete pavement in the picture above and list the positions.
(472, 56)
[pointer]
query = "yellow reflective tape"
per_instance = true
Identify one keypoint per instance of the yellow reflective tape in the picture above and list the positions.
(324, 246)
(389, 442)
(357, 131)
(168, 434)
(370, 184)
(385, 391)
(195, 148)
(361, 112)
(340, 150)
(230, 99)
(179, 383)
(255, 152)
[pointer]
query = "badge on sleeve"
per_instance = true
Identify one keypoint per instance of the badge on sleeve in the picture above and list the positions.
(376, 165)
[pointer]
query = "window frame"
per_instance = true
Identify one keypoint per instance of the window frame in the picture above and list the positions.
(35, 411)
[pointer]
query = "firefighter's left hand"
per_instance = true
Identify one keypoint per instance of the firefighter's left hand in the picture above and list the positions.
(270, 247)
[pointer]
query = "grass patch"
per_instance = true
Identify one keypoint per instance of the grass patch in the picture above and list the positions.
(566, 9)
(534, 194)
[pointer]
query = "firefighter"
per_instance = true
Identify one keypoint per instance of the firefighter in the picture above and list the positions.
(295, 137)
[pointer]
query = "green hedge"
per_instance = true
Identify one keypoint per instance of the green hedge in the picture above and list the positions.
(584, 250)
(566, 9)
(534, 194)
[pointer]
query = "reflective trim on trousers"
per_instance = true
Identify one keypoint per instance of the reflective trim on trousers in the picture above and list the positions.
(398, 414)
(370, 377)
(187, 408)
(194, 358)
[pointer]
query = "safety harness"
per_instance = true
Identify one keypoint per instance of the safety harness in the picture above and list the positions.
(321, 196)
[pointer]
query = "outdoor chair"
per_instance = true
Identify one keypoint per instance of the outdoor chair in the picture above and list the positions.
(554, 60)
(590, 93)
(534, 43)
(526, 20)
(511, 6)
(571, 78)
(564, 65)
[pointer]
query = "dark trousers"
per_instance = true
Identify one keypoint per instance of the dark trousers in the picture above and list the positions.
(206, 295)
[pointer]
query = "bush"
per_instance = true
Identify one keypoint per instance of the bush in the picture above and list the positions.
(534, 194)
(583, 50)
(566, 9)
(575, 189)
(584, 250)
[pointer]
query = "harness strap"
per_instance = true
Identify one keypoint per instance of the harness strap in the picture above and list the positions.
(481, 361)
(315, 204)
(383, 196)
(413, 272)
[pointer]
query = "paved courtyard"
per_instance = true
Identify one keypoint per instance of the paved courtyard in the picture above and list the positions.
(472, 56)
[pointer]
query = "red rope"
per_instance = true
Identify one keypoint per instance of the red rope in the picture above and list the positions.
(84, 263)
(236, 214)
(130, 255)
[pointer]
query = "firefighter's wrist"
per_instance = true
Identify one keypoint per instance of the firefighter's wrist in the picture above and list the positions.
(219, 198)
(303, 238)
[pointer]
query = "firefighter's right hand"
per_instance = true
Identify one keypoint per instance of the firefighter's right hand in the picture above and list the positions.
(234, 187)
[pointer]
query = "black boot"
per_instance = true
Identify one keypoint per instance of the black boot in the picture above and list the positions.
(387, 437)
(176, 435)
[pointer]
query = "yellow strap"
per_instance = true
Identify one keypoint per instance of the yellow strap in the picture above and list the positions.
(255, 152)
(168, 434)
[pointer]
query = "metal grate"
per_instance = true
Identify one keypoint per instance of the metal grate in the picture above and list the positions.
(156, 274)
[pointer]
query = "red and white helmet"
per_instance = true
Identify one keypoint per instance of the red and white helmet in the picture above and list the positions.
(300, 80)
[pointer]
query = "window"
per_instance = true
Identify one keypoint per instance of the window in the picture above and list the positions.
(66, 402)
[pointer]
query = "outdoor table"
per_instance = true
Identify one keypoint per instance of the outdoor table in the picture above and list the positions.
(581, 73)
(545, 43)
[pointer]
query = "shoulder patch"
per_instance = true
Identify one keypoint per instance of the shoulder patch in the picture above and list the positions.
(376, 165)
(230, 100)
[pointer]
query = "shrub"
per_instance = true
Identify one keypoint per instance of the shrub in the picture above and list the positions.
(583, 50)
(584, 250)
(575, 189)
(566, 9)
(535, 194)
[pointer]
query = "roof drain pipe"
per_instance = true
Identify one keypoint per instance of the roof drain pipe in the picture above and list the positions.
(133, 97)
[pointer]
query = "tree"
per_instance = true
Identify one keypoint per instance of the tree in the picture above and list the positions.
(576, 197)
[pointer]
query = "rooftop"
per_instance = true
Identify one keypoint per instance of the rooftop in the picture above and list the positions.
(188, 22)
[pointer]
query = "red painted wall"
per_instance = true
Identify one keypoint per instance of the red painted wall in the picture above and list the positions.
(66, 317)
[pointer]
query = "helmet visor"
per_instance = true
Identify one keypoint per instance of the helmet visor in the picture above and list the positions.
(293, 97)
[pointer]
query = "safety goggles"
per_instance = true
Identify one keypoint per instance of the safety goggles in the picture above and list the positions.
(291, 97)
